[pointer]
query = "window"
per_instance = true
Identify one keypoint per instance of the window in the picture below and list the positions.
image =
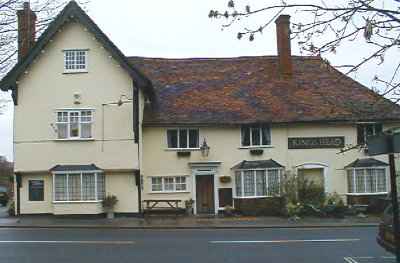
(36, 190)
(367, 180)
(74, 124)
(75, 60)
(257, 183)
(366, 130)
(84, 186)
(255, 136)
(183, 138)
(168, 184)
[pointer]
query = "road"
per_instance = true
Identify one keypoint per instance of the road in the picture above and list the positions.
(351, 245)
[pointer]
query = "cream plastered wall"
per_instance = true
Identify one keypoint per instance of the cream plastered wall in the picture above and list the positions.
(44, 88)
(122, 185)
(225, 147)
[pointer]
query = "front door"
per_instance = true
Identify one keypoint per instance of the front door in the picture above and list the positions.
(205, 194)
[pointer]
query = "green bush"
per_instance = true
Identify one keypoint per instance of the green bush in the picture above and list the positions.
(11, 209)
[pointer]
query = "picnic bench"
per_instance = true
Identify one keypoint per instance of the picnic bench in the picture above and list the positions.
(162, 205)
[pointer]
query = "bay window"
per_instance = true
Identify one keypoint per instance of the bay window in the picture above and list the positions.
(257, 183)
(367, 181)
(74, 124)
(79, 186)
(169, 184)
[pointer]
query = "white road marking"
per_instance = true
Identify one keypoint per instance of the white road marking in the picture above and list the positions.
(111, 242)
(349, 260)
(284, 241)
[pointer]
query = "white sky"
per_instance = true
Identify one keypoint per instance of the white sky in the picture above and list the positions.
(181, 28)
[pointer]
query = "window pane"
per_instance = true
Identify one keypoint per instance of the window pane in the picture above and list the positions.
(60, 187)
(370, 129)
(183, 138)
(74, 124)
(350, 181)
(360, 181)
(261, 183)
(360, 134)
(172, 136)
(381, 177)
(249, 183)
(238, 183)
(378, 128)
(86, 130)
(62, 130)
(101, 186)
(266, 135)
(74, 187)
(88, 186)
(255, 136)
(370, 181)
(156, 184)
(273, 182)
(245, 136)
(36, 190)
(193, 138)
(168, 184)
(180, 182)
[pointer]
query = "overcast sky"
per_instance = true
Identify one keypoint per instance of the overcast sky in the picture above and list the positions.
(180, 28)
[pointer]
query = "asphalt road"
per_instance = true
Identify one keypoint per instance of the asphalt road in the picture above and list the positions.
(349, 245)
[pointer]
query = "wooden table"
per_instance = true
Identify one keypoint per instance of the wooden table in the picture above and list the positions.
(167, 205)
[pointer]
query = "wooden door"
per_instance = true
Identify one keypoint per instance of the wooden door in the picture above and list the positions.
(205, 194)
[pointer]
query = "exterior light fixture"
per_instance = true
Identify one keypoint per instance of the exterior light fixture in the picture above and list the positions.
(205, 149)
(120, 101)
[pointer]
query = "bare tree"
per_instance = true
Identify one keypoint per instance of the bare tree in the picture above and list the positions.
(323, 27)
(45, 11)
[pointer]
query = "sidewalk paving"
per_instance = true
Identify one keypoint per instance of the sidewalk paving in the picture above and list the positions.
(180, 222)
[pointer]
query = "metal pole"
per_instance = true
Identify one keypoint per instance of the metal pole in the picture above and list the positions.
(395, 206)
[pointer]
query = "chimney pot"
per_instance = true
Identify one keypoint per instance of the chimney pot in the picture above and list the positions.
(283, 43)
(26, 30)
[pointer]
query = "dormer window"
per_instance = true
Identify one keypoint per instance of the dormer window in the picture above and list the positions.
(75, 60)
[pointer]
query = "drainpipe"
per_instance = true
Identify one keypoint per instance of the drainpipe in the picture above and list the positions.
(136, 113)
(18, 180)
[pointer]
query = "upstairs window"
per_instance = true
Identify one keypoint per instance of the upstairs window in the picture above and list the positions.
(74, 124)
(183, 138)
(75, 60)
(366, 130)
(255, 136)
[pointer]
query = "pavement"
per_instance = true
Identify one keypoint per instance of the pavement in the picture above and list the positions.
(183, 222)
(327, 245)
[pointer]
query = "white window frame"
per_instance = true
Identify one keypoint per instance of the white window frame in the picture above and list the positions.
(187, 139)
(80, 122)
(354, 169)
(75, 70)
(163, 190)
(374, 124)
(67, 173)
(280, 173)
(251, 136)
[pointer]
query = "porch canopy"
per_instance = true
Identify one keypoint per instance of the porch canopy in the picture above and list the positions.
(75, 168)
(367, 162)
(260, 164)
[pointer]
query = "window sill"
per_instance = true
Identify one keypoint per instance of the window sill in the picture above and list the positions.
(256, 147)
(77, 202)
(171, 192)
(75, 72)
(254, 197)
(182, 149)
(74, 140)
(359, 194)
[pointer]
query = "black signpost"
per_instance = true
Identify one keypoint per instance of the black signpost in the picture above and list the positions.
(389, 144)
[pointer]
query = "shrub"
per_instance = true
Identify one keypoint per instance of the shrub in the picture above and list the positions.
(109, 202)
(11, 209)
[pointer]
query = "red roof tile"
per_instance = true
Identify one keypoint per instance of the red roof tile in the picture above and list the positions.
(249, 90)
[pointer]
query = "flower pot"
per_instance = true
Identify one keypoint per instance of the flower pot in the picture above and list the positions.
(225, 179)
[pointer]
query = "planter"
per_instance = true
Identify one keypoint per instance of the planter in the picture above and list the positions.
(256, 151)
(110, 215)
(183, 153)
(225, 179)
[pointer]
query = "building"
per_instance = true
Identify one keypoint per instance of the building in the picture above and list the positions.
(90, 121)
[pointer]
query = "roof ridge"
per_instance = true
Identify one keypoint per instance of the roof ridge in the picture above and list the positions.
(221, 58)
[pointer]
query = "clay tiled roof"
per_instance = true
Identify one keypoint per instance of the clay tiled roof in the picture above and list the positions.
(249, 90)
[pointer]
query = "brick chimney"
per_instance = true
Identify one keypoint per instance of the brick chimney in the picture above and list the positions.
(283, 43)
(26, 30)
